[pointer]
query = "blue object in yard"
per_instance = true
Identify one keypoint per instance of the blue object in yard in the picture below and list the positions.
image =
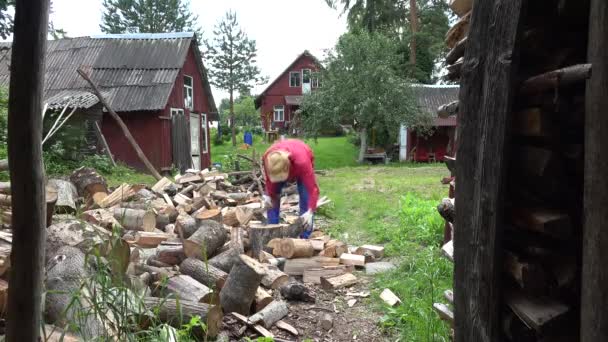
(248, 138)
(217, 166)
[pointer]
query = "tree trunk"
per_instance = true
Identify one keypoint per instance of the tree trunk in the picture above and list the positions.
(204, 273)
(274, 278)
(185, 288)
(296, 248)
(185, 226)
(261, 235)
(90, 185)
(225, 260)
(232, 118)
(177, 313)
(363, 147)
(207, 239)
(241, 286)
(171, 255)
(66, 195)
(27, 170)
(134, 219)
(414, 28)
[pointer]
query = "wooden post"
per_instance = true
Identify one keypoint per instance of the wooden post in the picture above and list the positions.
(486, 96)
(122, 126)
(27, 171)
(594, 318)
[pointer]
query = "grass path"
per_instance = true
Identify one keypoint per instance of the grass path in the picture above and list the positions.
(396, 206)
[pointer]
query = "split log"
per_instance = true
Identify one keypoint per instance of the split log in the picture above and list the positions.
(204, 273)
(455, 54)
(558, 78)
(297, 291)
(161, 184)
(287, 327)
(101, 217)
(185, 288)
(66, 195)
(458, 31)
(241, 286)
(236, 239)
(447, 209)
(150, 239)
(258, 328)
(274, 278)
(338, 282)
(206, 240)
(177, 313)
(390, 298)
(122, 194)
(334, 248)
(181, 199)
(352, 259)
(271, 314)
(210, 214)
(298, 266)
(296, 248)
(313, 275)
(229, 218)
(135, 219)
(265, 257)
(261, 235)
(170, 255)
(225, 260)
(317, 245)
(262, 299)
(244, 215)
(448, 110)
(121, 124)
(165, 215)
(376, 251)
(448, 250)
(185, 225)
(444, 313)
(538, 313)
(548, 222)
(90, 185)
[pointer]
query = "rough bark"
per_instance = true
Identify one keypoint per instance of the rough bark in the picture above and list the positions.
(261, 235)
(207, 239)
(185, 225)
(261, 300)
(240, 288)
(271, 314)
(90, 185)
(135, 219)
(177, 313)
(296, 248)
(363, 147)
(101, 217)
(206, 274)
(225, 260)
(183, 287)
(171, 255)
(274, 278)
(66, 195)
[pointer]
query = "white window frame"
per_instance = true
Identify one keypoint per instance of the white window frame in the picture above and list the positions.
(299, 79)
(314, 80)
(177, 111)
(309, 75)
(204, 129)
(279, 109)
(189, 92)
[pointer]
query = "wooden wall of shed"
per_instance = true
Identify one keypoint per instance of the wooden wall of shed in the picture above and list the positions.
(89, 118)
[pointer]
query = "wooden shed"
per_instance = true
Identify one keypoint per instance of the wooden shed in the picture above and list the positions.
(156, 83)
(530, 241)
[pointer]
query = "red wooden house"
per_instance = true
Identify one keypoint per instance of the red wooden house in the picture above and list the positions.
(156, 83)
(432, 147)
(280, 100)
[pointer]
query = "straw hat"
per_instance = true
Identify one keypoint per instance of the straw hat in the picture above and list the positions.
(277, 166)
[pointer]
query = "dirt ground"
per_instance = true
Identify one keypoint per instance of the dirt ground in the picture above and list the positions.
(356, 323)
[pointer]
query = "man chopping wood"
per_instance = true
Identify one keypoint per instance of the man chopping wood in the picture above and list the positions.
(291, 160)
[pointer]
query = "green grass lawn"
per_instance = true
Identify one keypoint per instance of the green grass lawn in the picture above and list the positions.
(330, 153)
(396, 206)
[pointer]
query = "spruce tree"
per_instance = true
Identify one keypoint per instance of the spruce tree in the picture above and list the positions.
(232, 61)
(149, 16)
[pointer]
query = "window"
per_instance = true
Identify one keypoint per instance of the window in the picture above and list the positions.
(204, 132)
(177, 111)
(316, 83)
(188, 93)
(294, 79)
(279, 113)
(306, 75)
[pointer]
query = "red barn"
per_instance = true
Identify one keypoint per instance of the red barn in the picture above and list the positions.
(280, 100)
(156, 83)
(431, 147)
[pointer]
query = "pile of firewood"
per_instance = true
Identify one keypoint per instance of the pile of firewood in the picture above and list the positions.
(544, 184)
(196, 245)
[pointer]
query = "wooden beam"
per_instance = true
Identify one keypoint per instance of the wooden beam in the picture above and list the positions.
(121, 124)
(594, 317)
(486, 96)
(27, 170)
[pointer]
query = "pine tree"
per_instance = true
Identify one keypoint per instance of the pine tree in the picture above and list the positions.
(149, 16)
(232, 58)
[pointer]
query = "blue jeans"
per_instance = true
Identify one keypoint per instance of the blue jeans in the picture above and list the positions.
(274, 213)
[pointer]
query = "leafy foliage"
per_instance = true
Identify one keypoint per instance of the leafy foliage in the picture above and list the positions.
(150, 16)
(6, 21)
(360, 85)
(232, 61)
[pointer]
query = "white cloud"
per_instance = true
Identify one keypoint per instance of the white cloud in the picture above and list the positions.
(282, 28)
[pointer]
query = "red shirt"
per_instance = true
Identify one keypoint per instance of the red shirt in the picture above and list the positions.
(301, 169)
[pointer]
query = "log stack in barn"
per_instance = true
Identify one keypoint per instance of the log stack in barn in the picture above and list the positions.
(538, 201)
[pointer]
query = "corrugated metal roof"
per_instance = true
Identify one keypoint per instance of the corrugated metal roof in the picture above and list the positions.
(136, 71)
(430, 97)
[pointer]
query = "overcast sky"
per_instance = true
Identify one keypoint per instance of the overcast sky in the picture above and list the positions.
(282, 28)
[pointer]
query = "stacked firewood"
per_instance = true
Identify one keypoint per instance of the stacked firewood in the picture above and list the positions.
(543, 202)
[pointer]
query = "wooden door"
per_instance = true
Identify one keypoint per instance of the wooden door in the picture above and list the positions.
(195, 142)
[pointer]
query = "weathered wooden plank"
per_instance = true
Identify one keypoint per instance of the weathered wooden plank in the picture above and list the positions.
(486, 97)
(594, 316)
(26, 170)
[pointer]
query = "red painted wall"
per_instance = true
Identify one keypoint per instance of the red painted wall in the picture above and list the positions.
(437, 143)
(201, 106)
(275, 94)
(152, 132)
